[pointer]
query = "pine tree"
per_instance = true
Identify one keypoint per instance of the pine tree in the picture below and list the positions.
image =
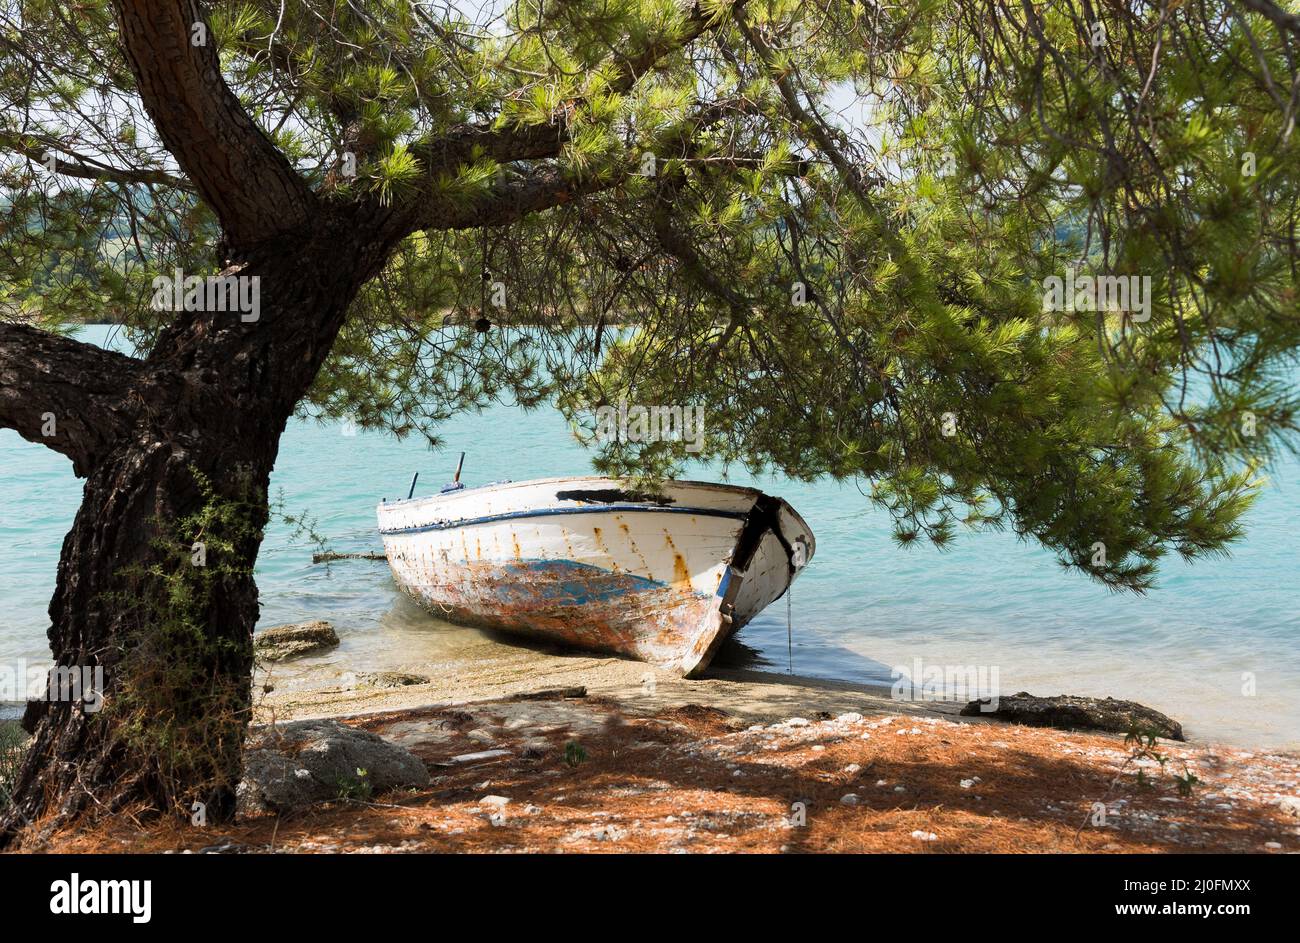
(1003, 265)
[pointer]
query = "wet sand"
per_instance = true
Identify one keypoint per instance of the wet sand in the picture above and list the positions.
(488, 670)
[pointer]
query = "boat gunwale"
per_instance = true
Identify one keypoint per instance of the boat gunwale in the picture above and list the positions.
(506, 485)
(560, 511)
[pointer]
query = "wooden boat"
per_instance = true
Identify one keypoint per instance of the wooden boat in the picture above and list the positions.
(664, 577)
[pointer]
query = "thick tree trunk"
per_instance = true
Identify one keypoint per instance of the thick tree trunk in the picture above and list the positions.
(155, 581)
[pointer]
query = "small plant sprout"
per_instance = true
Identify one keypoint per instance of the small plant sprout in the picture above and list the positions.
(1141, 742)
(574, 753)
(356, 789)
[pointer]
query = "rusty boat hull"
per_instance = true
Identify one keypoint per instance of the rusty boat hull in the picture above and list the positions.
(585, 562)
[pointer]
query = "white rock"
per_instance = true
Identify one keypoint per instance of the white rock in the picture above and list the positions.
(499, 802)
(797, 722)
(1274, 845)
(967, 783)
(924, 836)
(852, 717)
(1290, 805)
(481, 755)
(849, 799)
(601, 833)
(866, 736)
(852, 768)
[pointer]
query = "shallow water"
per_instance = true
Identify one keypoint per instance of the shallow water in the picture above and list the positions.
(1192, 648)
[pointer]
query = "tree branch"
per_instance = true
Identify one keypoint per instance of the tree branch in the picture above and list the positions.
(1275, 14)
(539, 141)
(86, 168)
(248, 183)
(534, 141)
(64, 394)
(514, 199)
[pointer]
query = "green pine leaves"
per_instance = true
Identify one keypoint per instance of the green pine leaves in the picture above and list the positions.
(834, 227)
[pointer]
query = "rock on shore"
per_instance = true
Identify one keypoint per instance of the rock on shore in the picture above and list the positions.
(296, 765)
(294, 639)
(1078, 713)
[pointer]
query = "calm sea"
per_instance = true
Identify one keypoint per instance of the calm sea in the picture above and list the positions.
(1217, 645)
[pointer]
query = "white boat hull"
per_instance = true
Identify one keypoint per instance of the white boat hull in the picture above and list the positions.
(585, 562)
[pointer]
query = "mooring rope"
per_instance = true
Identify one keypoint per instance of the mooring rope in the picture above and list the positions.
(789, 629)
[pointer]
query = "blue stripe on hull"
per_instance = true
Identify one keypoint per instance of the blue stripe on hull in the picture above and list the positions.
(565, 583)
(554, 512)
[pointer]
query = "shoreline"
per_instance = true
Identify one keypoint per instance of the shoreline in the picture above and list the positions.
(504, 671)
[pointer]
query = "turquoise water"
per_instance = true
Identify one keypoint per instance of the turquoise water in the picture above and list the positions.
(1217, 645)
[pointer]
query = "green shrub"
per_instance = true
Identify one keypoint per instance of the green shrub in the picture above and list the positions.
(13, 747)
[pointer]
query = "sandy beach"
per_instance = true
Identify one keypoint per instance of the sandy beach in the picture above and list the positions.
(535, 751)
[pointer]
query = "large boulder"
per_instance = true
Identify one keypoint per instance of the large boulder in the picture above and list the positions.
(1078, 713)
(297, 638)
(299, 764)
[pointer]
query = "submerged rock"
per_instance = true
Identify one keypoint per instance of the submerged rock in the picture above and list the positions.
(299, 764)
(389, 679)
(1079, 713)
(297, 638)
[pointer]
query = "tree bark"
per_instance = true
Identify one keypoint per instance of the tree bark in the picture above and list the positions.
(173, 636)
